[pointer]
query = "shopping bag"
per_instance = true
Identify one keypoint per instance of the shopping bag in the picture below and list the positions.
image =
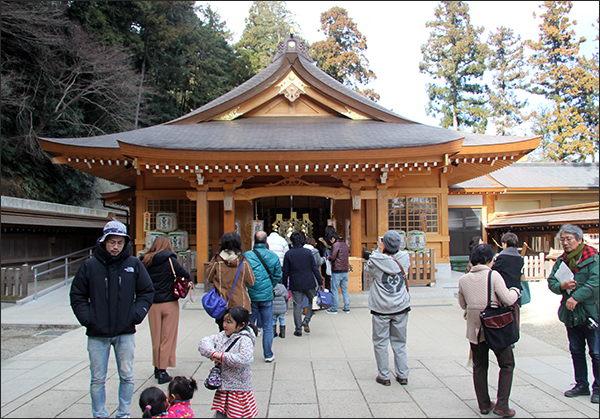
(324, 299)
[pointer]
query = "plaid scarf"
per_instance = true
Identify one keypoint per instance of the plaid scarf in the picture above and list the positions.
(586, 253)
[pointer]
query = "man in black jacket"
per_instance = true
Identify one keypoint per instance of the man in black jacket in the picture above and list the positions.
(110, 294)
(300, 266)
(509, 263)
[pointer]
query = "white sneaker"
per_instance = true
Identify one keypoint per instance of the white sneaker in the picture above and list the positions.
(270, 359)
(259, 333)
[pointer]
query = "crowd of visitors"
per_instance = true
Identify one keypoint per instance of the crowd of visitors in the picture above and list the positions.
(112, 292)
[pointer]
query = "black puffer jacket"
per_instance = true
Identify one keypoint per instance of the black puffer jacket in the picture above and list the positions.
(111, 294)
(162, 275)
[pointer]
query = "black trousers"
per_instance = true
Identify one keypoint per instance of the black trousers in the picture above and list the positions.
(481, 361)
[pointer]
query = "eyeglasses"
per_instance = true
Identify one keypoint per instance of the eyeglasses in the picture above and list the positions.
(567, 239)
(115, 242)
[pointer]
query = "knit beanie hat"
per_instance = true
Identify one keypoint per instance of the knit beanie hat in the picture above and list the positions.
(391, 241)
(115, 228)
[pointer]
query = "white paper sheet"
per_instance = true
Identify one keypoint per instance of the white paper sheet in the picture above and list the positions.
(563, 274)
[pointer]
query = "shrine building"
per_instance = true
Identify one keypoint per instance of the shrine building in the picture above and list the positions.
(291, 142)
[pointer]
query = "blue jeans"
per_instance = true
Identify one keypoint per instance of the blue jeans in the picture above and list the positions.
(578, 336)
(263, 310)
(340, 279)
(280, 317)
(99, 351)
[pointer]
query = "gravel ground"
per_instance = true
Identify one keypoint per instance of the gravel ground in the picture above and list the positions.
(19, 339)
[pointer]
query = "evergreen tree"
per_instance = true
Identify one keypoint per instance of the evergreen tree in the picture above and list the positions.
(268, 23)
(180, 50)
(342, 54)
(567, 81)
(455, 55)
(506, 61)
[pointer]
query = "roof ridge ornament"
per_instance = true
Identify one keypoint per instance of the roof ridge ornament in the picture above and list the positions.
(294, 46)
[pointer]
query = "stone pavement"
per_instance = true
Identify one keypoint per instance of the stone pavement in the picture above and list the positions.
(327, 373)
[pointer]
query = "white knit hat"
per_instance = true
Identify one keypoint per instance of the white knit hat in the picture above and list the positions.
(115, 228)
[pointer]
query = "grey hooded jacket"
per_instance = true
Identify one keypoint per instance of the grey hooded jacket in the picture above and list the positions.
(388, 293)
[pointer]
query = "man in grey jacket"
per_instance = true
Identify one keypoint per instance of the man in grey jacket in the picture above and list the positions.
(389, 303)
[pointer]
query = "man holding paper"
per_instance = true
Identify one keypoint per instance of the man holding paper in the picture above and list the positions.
(575, 277)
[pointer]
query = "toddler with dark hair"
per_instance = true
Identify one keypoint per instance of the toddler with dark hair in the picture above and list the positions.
(180, 392)
(153, 402)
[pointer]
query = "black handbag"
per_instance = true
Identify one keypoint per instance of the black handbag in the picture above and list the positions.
(498, 323)
(213, 381)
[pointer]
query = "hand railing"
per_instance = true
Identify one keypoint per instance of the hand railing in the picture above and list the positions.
(67, 261)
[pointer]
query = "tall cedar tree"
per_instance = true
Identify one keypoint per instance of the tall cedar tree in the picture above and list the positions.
(506, 61)
(455, 55)
(268, 23)
(342, 54)
(569, 82)
(56, 82)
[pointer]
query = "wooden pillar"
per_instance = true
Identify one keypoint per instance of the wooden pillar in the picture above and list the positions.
(138, 235)
(229, 212)
(201, 228)
(383, 222)
(355, 225)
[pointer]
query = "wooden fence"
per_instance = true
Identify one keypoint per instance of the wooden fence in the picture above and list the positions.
(421, 271)
(422, 268)
(14, 281)
(534, 267)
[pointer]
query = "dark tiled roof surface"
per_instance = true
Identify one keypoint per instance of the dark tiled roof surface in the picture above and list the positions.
(282, 134)
(541, 175)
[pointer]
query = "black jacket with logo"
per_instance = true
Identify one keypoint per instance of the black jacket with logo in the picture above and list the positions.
(111, 294)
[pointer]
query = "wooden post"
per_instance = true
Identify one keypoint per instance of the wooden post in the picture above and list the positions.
(23, 280)
(383, 223)
(3, 281)
(201, 226)
(355, 229)
(228, 211)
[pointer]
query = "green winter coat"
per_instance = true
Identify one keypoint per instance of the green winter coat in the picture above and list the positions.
(586, 300)
(262, 290)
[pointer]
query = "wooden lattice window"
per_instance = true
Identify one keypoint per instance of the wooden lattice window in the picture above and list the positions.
(413, 213)
(184, 208)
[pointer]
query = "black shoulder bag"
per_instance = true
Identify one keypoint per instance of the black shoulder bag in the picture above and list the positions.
(498, 323)
(264, 264)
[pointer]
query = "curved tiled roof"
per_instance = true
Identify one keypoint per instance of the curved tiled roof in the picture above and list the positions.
(540, 175)
(282, 134)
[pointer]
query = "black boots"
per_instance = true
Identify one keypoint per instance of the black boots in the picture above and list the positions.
(275, 331)
(162, 376)
(282, 332)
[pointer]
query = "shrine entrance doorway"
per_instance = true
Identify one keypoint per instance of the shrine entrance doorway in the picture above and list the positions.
(316, 209)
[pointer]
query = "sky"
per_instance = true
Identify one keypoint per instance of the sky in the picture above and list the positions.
(396, 30)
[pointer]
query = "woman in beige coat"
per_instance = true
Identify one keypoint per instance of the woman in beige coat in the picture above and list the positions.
(222, 270)
(472, 297)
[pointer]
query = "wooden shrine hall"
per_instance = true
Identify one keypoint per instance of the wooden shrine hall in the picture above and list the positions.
(290, 142)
